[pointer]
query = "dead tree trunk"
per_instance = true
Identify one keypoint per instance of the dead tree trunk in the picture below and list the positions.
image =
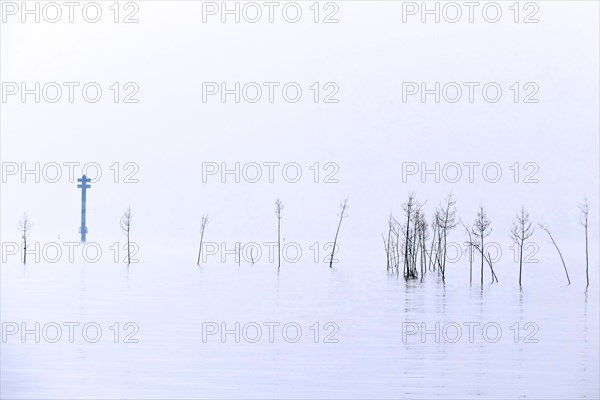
(547, 230)
(203, 224)
(343, 208)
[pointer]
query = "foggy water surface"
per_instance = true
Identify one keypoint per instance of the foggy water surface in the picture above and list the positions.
(361, 352)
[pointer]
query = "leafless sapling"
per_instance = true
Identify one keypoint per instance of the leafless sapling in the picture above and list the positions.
(25, 226)
(547, 230)
(126, 228)
(423, 236)
(446, 221)
(521, 231)
(203, 224)
(435, 229)
(408, 208)
(386, 244)
(395, 246)
(386, 247)
(584, 208)
(278, 209)
(342, 215)
(482, 229)
(397, 243)
(470, 249)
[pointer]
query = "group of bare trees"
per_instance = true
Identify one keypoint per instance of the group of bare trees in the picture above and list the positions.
(25, 226)
(406, 244)
(278, 209)
(279, 214)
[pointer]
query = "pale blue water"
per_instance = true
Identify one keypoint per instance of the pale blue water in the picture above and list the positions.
(169, 303)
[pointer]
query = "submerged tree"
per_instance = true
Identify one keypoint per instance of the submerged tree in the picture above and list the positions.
(547, 230)
(342, 215)
(203, 224)
(278, 209)
(583, 219)
(481, 229)
(25, 226)
(423, 235)
(406, 244)
(408, 208)
(126, 228)
(446, 221)
(386, 244)
(436, 229)
(470, 246)
(521, 231)
(392, 246)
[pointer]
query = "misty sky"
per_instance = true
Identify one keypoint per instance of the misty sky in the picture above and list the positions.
(369, 133)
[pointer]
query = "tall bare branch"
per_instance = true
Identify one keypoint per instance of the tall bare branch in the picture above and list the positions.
(203, 224)
(342, 215)
(547, 230)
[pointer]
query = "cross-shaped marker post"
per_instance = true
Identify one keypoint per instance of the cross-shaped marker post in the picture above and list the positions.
(83, 186)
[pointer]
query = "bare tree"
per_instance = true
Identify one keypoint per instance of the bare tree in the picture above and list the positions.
(386, 244)
(521, 231)
(203, 224)
(126, 228)
(470, 249)
(409, 211)
(342, 215)
(547, 230)
(397, 258)
(423, 234)
(394, 245)
(278, 209)
(25, 226)
(390, 244)
(446, 222)
(435, 228)
(481, 229)
(583, 219)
